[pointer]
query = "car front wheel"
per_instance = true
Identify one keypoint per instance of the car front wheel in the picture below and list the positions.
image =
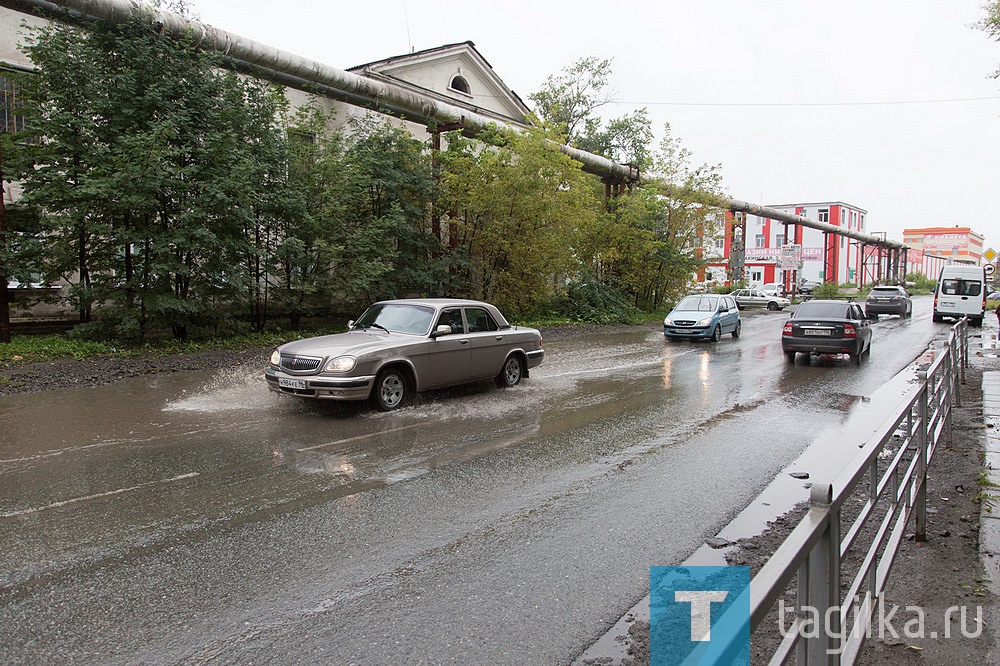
(717, 333)
(391, 390)
(772, 306)
(511, 373)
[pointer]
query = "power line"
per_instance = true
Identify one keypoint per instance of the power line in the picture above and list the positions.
(773, 104)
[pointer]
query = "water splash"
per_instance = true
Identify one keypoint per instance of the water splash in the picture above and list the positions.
(231, 389)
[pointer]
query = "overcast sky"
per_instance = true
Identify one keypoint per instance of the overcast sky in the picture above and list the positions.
(887, 105)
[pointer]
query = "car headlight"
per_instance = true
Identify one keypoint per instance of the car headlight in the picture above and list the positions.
(705, 322)
(275, 357)
(667, 322)
(341, 364)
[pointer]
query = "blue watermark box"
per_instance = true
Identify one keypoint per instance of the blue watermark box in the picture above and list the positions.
(699, 615)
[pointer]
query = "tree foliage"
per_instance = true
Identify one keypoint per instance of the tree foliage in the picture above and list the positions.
(569, 103)
(147, 163)
(173, 195)
(517, 209)
(990, 24)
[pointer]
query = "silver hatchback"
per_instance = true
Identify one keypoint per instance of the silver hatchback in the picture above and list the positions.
(399, 347)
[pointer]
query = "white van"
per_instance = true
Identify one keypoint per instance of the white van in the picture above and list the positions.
(961, 292)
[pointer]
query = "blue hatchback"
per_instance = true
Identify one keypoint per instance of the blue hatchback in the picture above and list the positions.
(707, 316)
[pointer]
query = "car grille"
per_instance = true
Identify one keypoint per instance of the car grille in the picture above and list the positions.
(685, 322)
(300, 363)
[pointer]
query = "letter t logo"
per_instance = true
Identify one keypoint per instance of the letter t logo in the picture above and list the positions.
(701, 610)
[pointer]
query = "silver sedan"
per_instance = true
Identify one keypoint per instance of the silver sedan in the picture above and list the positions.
(399, 347)
(758, 298)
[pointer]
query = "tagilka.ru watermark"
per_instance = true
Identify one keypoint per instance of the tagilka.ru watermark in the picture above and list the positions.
(701, 615)
(887, 621)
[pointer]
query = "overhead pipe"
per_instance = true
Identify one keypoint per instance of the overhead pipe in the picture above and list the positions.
(736, 205)
(301, 73)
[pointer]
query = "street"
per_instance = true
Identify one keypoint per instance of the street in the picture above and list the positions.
(198, 517)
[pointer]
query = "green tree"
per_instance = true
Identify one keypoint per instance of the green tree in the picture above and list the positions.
(990, 24)
(683, 217)
(517, 207)
(145, 166)
(569, 102)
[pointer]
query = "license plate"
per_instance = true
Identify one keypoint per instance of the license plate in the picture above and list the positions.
(815, 331)
(291, 383)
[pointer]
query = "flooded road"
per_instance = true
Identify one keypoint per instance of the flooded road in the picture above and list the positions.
(198, 517)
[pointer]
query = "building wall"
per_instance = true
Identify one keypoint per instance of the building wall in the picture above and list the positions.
(959, 244)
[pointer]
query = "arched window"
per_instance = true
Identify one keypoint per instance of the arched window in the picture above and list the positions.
(460, 84)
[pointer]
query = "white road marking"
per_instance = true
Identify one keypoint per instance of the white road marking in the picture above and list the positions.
(119, 491)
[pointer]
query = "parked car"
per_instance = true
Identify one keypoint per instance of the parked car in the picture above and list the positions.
(707, 316)
(400, 347)
(758, 298)
(888, 300)
(774, 289)
(827, 327)
(807, 286)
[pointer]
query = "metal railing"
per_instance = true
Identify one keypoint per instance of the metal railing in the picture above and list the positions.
(889, 476)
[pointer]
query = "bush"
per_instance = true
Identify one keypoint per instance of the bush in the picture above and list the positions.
(595, 302)
(827, 290)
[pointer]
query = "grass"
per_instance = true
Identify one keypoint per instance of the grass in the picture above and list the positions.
(38, 348)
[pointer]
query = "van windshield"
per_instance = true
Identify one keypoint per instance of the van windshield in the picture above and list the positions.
(954, 287)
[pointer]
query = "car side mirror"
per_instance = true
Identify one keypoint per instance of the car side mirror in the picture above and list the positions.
(442, 329)
(350, 324)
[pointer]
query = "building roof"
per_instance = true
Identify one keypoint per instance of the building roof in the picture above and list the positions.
(433, 72)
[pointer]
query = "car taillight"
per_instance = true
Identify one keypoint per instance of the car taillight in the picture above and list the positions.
(849, 331)
(787, 330)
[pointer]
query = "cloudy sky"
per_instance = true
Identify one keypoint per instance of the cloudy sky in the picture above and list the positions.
(886, 105)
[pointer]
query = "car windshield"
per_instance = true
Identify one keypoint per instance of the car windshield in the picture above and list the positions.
(885, 291)
(699, 303)
(397, 317)
(816, 310)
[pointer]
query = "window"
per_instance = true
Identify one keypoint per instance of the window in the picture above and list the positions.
(452, 319)
(480, 320)
(10, 120)
(824, 215)
(459, 83)
(759, 240)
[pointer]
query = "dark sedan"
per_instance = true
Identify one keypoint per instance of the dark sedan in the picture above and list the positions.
(888, 300)
(827, 327)
(397, 348)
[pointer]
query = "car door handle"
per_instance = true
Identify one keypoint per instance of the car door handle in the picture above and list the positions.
(464, 341)
(499, 338)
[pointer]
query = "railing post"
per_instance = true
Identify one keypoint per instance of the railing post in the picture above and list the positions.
(923, 432)
(819, 588)
(957, 372)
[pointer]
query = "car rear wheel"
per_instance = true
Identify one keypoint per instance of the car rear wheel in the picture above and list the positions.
(790, 355)
(716, 333)
(772, 306)
(511, 373)
(391, 390)
(737, 330)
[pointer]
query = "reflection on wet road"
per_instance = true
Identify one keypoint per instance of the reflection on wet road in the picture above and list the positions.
(217, 520)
